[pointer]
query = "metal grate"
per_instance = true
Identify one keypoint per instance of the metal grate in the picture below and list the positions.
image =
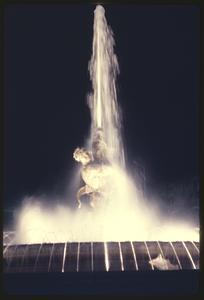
(94, 257)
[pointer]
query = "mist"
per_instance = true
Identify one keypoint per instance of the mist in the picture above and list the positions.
(126, 216)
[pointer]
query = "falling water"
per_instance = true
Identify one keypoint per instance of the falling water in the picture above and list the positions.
(103, 67)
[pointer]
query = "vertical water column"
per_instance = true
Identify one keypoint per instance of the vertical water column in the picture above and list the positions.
(104, 108)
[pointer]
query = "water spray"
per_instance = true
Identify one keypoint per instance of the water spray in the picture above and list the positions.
(119, 212)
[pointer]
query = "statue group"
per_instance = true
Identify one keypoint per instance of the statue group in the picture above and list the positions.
(95, 171)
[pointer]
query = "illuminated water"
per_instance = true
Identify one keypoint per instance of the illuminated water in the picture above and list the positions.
(127, 216)
(103, 68)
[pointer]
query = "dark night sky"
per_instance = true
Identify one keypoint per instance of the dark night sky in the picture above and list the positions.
(47, 49)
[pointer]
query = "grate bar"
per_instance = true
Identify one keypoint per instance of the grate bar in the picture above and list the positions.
(92, 265)
(148, 254)
(50, 257)
(37, 258)
(78, 250)
(189, 255)
(106, 257)
(176, 255)
(134, 255)
(64, 255)
(195, 247)
(121, 257)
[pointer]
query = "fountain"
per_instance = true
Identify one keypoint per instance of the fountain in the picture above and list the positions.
(123, 233)
(105, 146)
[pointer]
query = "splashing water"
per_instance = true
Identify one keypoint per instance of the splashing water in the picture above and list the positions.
(103, 67)
(38, 222)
